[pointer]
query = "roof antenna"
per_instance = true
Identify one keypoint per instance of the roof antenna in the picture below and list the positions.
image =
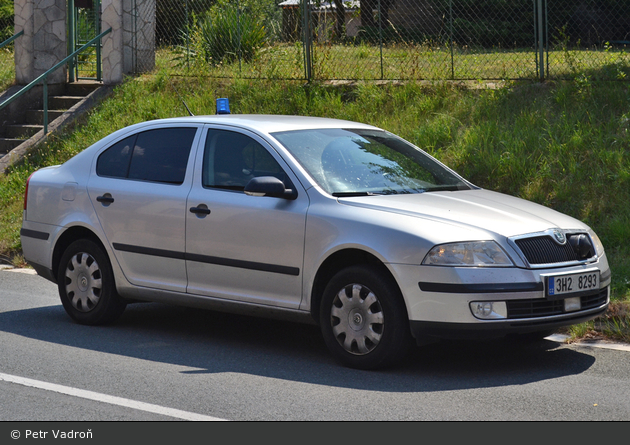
(180, 98)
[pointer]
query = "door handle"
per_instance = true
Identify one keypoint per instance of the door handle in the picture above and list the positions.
(105, 199)
(201, 209)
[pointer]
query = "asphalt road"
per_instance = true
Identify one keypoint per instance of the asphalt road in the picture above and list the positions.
(168, 363)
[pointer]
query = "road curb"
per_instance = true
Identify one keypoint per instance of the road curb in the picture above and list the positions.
(605, 344)
(17, 269)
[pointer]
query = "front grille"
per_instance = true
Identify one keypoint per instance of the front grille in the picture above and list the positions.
(546, 308)
(544, 250)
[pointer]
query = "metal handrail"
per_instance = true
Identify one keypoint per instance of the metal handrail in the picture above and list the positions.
(44, 78)
(11, 39)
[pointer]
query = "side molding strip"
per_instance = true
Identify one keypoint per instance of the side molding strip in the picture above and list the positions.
(34, 234)
(481, 288)
(251, 265)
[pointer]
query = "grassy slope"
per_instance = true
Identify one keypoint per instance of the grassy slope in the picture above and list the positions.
(7, 69)
(565, 145)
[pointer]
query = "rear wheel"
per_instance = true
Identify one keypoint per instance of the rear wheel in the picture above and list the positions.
(363, 319)
(86, 285)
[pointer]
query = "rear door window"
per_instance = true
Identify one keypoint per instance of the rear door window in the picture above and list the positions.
(159, 155)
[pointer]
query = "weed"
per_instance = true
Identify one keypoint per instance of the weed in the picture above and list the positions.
(7, 69)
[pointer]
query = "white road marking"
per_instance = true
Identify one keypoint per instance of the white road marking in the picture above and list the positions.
(98, 397)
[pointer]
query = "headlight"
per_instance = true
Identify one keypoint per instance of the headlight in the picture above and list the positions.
(468, 254)
(599, 247)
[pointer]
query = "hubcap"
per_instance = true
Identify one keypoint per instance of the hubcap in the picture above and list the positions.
(357, 319)
(83, 282)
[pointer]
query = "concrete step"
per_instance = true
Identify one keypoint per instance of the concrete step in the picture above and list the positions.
(29, 122)
(36, 117)
(8, 144)
(21, 131)
(82, 88)
(63, 102)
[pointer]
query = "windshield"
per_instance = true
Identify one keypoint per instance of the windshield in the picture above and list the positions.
(347, 162)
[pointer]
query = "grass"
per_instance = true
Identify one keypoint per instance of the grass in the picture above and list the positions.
(7, 69)
(404, 61)
(564, 144)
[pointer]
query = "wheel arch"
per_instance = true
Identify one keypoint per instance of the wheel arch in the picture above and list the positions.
(68, 237)
(334, 263)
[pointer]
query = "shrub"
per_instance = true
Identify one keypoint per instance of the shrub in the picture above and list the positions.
(6, 19)
(227, 35)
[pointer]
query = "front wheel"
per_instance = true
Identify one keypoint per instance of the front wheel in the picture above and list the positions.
(363, 319)
(86, 285)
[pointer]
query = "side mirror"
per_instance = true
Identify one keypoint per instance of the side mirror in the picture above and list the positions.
(269, 186)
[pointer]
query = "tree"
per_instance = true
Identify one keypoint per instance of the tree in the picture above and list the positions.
(340, 19)
(366, 13)
(369, 7)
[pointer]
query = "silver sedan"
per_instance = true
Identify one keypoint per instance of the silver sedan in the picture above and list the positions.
(324, 221)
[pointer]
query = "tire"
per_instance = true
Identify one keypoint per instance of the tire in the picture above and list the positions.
(364, 320)
(86, 285)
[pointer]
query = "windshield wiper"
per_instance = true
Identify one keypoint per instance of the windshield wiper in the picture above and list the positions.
(444, 188)
(351, 194)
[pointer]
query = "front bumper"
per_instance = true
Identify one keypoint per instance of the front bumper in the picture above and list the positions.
(438, 299)
(543, 317)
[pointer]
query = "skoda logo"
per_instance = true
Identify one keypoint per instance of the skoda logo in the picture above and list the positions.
(559, 236)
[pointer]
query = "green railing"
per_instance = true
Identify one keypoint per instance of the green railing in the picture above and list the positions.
(44, 78)
(11, 39)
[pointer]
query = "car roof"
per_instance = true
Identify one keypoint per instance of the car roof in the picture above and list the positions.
(266, 123)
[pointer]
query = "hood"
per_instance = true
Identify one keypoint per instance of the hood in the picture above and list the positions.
(480, 209)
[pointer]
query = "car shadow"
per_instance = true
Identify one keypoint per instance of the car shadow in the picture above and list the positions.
(214, 342)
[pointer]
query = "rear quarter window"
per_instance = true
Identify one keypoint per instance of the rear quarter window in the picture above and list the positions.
(114, 162)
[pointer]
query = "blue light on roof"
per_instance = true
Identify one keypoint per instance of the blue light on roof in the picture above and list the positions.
(223, 106)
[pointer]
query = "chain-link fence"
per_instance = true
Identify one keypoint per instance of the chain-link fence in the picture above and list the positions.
(427, 39)
(380, 39)
(395, 39)
(588, 37)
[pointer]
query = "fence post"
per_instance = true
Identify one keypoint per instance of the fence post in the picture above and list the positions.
(451, 38)
(71, 18)
(380, 35)
(240, 38)
(45, 117)
(187, 37)
(307, 40)
(541, 25)
(546, 38)
(97, 26)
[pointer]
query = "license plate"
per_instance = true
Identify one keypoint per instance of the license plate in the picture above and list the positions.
(575, 283)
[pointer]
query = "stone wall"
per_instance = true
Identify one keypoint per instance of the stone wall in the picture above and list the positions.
(44, 41)
(128, 48)
(112, 53)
